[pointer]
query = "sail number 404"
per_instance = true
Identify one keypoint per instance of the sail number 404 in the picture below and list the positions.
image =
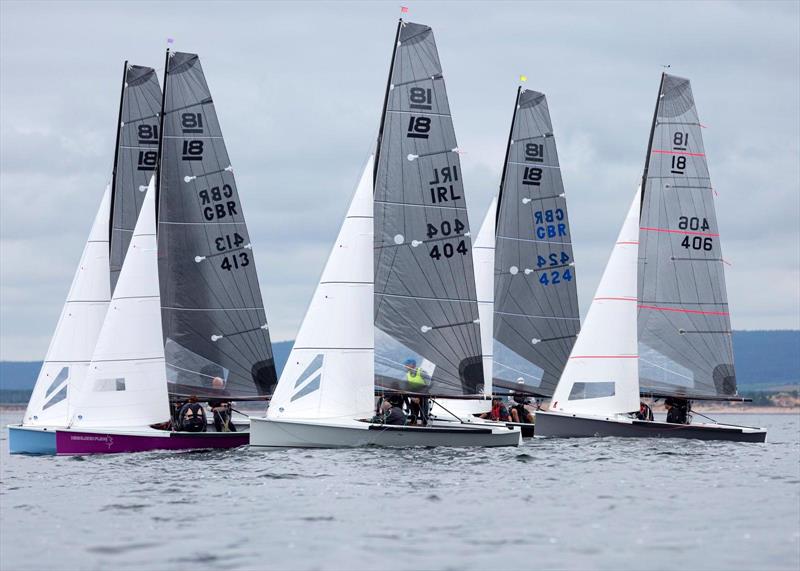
(448, 250)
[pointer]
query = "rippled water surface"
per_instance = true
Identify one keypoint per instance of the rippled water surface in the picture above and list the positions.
(550, 504)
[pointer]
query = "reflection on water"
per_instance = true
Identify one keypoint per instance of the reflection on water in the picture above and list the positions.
(566, 504)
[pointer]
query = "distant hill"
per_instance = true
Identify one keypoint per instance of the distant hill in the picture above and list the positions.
(765, 360)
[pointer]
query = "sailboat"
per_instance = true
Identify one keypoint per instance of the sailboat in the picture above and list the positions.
(524, 264)
(186, 316)
(398, 291)
(659, 324)
(74, 339)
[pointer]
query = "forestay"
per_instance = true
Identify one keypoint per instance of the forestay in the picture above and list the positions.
(135, 157)
(330, 371)
(215, 326)
(684, 324)
(536, 317)
(75, 336)
(126, 385)
(426, 307)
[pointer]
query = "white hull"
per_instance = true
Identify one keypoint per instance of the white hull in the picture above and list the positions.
(348, 433)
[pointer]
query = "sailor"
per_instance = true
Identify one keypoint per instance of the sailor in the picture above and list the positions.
(221, 408)
(499, 412)
(393, 413)
(518, 412)
(416, 383)
(645, 412)
(677, 410)
(192, 417)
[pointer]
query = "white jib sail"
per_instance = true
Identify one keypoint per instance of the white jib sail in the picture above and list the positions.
(126, 383)
(75, 336)
(330, 371)
(602, 374)
(483, 261)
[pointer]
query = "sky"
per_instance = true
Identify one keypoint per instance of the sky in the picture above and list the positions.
(299, 86)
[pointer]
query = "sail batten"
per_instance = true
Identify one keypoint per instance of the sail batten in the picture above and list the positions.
(683, 321)
(427, 336)
(215, 328)
(536, 317)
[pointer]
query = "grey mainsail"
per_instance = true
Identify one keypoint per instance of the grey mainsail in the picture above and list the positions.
(536, 317)
(214, 323)
(426, 308)
(134, 159)
(684, 326)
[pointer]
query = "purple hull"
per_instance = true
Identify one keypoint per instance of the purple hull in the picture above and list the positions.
(69, 442)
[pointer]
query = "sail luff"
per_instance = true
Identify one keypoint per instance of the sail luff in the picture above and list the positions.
(643, 185)
(116, 155)
(505, 159)
(385, 103)
(161, 136)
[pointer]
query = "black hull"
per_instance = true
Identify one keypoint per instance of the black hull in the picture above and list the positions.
(525, 428)
(569, 426)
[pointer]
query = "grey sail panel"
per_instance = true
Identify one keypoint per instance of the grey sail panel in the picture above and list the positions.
(536, 316)
(684, 326)
(136, 158)
(213, 317)
(425, 302)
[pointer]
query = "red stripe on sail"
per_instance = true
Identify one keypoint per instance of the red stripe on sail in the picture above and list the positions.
(677, 310)
(660, 152)
(679, 232)
(627, 243)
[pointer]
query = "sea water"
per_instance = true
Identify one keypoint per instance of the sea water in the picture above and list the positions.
(550, 504)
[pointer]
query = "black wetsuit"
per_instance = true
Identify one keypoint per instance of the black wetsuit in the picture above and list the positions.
(192, 418)
(222, 418)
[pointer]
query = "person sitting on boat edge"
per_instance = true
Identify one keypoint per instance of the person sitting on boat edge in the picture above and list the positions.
(677, 410)
(518, 412)
(391, 411)
(499, 412)
(192, 417)
(221, 408)
(645, 412)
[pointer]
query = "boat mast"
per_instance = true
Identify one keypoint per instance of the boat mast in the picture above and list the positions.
(116, 156)
(385, 104)
(650, 141)
(505, 160)
(161, 138)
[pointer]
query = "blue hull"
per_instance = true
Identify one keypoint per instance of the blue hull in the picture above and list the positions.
(24, 440)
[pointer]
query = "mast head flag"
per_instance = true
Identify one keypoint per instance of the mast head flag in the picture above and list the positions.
(523, 78)
(404, 9)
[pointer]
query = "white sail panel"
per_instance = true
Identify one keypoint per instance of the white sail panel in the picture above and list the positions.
(483, 260)
(78, 327)
(602, 374)
(126, 383)
(330, 371)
